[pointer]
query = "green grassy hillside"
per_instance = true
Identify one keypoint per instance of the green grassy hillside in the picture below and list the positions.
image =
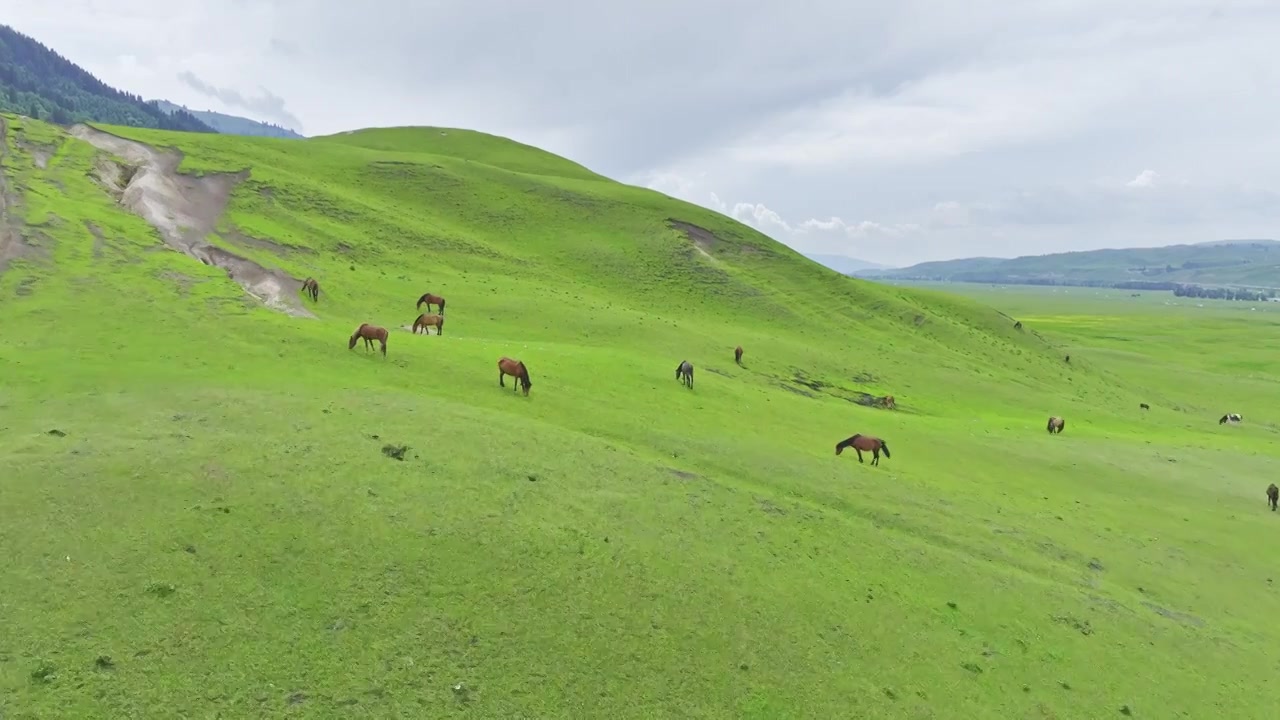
(200, 517)
(1242, 263)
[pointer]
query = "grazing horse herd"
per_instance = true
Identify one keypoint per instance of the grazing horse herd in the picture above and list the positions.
(684, 373)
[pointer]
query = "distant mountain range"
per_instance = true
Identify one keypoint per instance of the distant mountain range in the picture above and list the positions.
(846, 265)
(1234, 263)
(231, 124)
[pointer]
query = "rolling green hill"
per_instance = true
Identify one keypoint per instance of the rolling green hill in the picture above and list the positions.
(1240, 263)
(212, 506)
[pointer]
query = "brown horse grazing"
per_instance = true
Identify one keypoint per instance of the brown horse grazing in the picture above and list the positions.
(312, 288)
(864, 442)
(1273, 496)
(889, 403)
(517, 370)
(684, 373)
(430, 300)
(429, 321)
(1056, 424)
(737, 354)
(369, 333)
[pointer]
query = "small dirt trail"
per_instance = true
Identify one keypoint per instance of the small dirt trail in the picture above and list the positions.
(185, 209)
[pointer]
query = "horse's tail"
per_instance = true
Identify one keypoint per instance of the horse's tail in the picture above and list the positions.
(440, 325)
(442, 306)
(884, 447)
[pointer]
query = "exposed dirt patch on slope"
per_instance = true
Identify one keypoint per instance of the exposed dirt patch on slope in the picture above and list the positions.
(39, 152)
(12, 244)
(186, 209)
(706, 241)
(702, 238)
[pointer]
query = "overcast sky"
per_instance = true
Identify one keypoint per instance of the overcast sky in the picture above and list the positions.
(894, 132)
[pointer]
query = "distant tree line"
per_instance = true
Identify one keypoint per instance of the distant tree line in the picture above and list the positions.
(1218, 293)
(39, 83)
(1178, 289)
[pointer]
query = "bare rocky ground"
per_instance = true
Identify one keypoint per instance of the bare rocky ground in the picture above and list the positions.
(185, 209)
(12, 244)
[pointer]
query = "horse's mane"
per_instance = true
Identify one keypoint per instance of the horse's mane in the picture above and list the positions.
(849, 440)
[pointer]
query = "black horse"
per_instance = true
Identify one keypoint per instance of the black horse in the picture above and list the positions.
(684, 373)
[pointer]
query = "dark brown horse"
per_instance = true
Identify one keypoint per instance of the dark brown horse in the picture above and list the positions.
(430, 300)
(1056, 424)
(684, 373)
(517, 370)
(369, 333)
(312, 288)
(1017, 325)
(1144, 406)
(1273, 496)
(425, 322)
(737, 354)
(859, 443)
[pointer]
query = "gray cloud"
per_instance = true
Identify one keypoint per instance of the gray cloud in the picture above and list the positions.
(282, 47)
(267, 106)
(928, 129)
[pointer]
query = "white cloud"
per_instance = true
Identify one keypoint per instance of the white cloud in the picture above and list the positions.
(1144, 179)
(1146, 210)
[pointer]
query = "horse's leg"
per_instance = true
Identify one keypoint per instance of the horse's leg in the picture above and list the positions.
(384, 348)
(875, 456)
(500, 374)
(859, 454)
